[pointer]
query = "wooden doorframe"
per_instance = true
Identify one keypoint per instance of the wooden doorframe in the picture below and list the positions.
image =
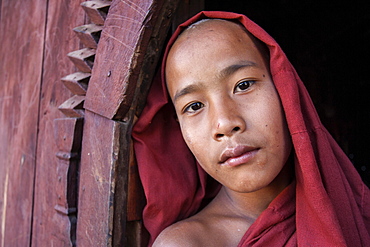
(125, 62)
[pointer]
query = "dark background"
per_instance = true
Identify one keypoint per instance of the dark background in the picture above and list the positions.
(328, 44)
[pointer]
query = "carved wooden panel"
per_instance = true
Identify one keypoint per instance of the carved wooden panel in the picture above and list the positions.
(125, 63)
(126, 38)
(68, 130)
(77, 82)
(89, 34)
(55, 197)
(83, 59)
(97, 10)
(73, 107)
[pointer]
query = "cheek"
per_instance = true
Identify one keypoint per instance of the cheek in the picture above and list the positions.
(188, 139)
(194, 140)
(275, 124)
(281, 135)
(191, 137)
(186, 133)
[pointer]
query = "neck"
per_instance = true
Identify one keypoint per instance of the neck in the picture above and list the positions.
(251, 205)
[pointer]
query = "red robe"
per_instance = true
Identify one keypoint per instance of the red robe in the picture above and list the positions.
(327, 205)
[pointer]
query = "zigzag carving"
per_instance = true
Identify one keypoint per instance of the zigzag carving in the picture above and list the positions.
(68, 130)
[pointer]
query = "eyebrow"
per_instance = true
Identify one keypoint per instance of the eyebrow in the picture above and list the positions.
(187, 90)
(229, 70)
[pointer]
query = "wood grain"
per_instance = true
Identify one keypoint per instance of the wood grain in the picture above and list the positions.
(89, 34)
(73, 107)
(50, 227)
(77, 82)
(21, 54)
(83, 59)
(97, 10)
(125, 63)
(114, 78)
(102, 169)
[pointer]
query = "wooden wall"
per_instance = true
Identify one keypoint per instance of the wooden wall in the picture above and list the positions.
(35, 39)
(21, 76)
(36, 139)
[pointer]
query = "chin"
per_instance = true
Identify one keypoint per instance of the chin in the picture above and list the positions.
(248, 188)
(254, 183)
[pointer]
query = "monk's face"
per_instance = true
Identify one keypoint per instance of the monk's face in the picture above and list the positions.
(228, 109)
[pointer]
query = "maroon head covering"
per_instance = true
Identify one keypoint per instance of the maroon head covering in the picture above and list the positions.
(328, 205)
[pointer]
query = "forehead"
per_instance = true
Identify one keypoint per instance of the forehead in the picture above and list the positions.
(210, 32)
(206, 26)
(208, 47)
(209, 38)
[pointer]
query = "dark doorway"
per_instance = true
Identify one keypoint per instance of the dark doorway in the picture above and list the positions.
(328, 45)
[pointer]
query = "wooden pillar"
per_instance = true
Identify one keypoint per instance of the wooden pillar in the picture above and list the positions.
(125, 63)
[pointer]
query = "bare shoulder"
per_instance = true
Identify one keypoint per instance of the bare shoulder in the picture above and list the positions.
(182, 233)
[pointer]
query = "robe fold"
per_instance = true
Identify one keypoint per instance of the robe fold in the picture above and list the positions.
(326, 205)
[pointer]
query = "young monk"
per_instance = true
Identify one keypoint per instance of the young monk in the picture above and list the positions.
(250, 124)
(225, 100)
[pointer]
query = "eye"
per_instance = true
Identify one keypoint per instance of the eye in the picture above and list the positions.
(193, 107)
(243, 85)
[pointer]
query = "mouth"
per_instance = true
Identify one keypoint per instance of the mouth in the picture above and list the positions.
(238, 155)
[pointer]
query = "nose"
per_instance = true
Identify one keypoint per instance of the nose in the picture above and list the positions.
(227, 120)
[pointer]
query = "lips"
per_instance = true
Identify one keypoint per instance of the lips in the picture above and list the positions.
(237, 155)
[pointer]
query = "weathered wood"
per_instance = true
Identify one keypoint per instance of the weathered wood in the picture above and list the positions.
(114, 79)
(83, 59)
(102, 170)
(21, 54)
(73, 107)
(68, 135)
(77, 82)
(89, 34)
(127, 56)
(50, 226)
(97, 10)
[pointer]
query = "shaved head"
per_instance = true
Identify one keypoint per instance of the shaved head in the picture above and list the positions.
(206, 24)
